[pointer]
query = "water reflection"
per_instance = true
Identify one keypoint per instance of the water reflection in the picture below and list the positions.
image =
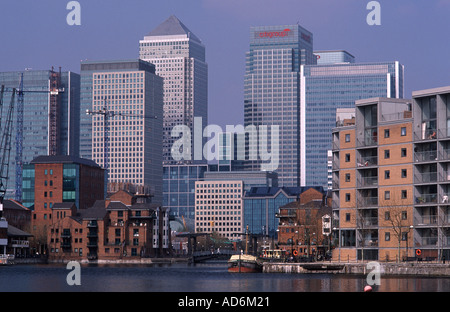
(197, 278)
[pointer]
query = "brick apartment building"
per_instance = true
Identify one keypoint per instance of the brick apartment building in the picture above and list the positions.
(391, 179)
(302, 231)
(122, 227)
(48, 180)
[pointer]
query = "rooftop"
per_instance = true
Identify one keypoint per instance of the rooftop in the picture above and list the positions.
(172, 26)
(63, 159)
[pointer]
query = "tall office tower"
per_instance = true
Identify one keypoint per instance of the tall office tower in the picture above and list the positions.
(326, 88)
(272, 95)
(333, 57)
(50, 119)
(179, 57)
(131, 146)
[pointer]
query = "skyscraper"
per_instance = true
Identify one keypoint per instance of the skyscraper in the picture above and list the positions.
(132, 94)
(179, 57)
(272, 92)
(50, 121)
(325, 88)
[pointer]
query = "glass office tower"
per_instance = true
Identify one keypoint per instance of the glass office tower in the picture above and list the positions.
(179, 57)
(36, 116)
(272, 93)
(325, 88)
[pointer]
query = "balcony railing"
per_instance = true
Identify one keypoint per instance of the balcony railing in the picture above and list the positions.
(368, 182)
(426, 199)
(425, 177)
(425, 156)
(428, 134)
(367, 161)
(368, 243)
(428, 241)
(368, 201)
(426, 219)
(367, 221)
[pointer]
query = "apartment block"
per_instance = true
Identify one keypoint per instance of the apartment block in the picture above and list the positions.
(373, 182)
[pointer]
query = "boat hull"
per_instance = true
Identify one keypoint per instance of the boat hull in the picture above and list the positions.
(244, 265)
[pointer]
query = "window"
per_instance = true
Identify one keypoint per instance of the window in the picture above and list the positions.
(386, 133)
(404, 194)
(347, 137)
(403, 152)
(347, 197)
(387, 215)
(387, 195)
(404, 236)
(347, 217)
(403, 131)
(387, 174)
(387, 236)
(387, 154)
(404, 173)
(404, 215)
(347, 157)
(347, 177)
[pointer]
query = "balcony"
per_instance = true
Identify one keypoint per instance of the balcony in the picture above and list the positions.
(367, 202)
(20, 243)
(426, 199)
(92, 224)
(426, 134)
(368, 182)
(367, 161)
(367, 221)
(368, 140)
(426, 220)
(425, 177)
(425, 156)
(427, 241)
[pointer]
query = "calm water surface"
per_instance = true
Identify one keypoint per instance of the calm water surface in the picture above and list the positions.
(205, 277)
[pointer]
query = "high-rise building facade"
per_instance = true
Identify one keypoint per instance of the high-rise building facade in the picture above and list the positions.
(50, 119)
(179, 57)
(272, 94)
(328, 87)
(132, 94)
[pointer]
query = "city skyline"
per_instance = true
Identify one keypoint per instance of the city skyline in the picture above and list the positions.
(406, 33)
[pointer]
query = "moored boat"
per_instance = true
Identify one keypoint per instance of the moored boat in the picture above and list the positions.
(244, 264)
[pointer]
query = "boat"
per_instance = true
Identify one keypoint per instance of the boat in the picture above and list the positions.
(244, 263)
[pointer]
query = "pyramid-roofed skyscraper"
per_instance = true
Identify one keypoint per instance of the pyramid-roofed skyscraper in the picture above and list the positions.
(179, 57)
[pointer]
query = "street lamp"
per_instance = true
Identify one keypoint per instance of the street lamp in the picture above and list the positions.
(407, 234)
(339, 244)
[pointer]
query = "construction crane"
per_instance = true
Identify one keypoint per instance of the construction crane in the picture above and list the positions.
(53, 117)
(107, 115)
(5, 147)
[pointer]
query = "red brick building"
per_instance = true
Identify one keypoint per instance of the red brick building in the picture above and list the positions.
(302, 231)
(58, 179)
(122, 227)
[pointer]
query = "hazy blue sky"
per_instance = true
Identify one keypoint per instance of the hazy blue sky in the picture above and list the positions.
(35, 34)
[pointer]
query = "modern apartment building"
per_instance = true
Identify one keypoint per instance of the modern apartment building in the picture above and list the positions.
(328, 87)
(272, 94)
(125, 100)
(179, 58)
(50, 119)
(373, 182)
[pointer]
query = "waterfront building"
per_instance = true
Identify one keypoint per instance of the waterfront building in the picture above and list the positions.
(131, 93)
(179, 58)
(332, 85)
(374, 179)
(122, 227)
(50, 120)
(58, 179)
(272, 93)
(218, 207)
(261, 206)
(219, 203)
(305, 225)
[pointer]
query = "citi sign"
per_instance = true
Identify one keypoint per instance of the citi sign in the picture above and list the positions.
(270, 34)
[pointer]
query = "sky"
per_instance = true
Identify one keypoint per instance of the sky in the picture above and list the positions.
(35, 34)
